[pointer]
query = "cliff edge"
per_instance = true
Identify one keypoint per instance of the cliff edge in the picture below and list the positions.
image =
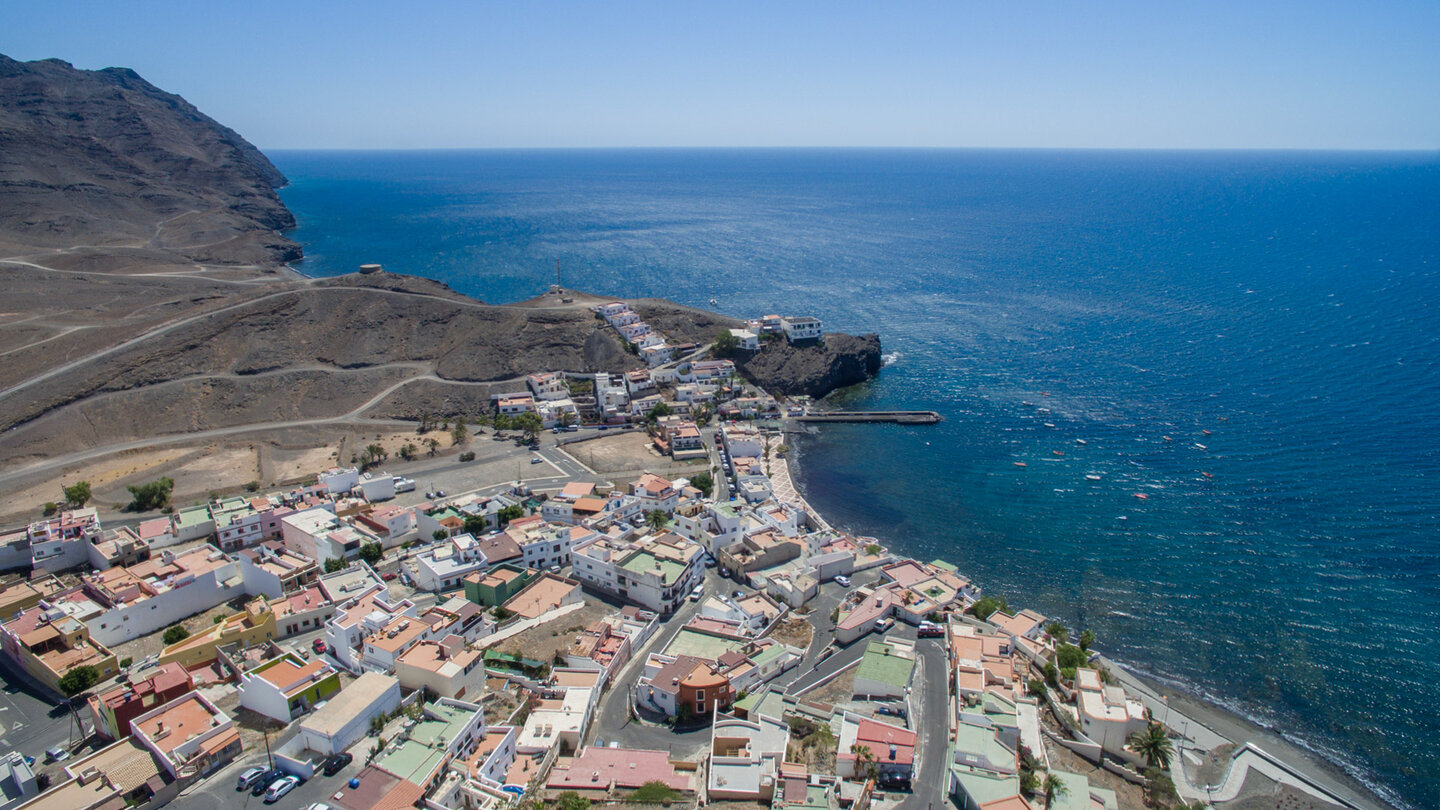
(815, 369)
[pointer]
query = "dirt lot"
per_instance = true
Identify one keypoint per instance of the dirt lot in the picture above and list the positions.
(795, 631)
(104, 476)
(837, 691)
(154, 643)
(816, 750)
(630, 452)
(543, 641)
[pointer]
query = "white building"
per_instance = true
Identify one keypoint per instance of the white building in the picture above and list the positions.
(152, 595)
(1107, 715)
(346, 718)
(748, 341)
(362, 614)
(444, 566)
(282, 689)
(547, 386)
(340, 480)
(655, 492)
(745, 758)
(798, 329)
(656, 573)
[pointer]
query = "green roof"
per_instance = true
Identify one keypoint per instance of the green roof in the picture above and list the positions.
(194, 515)
(981, 741)
(748, 702)
(768, 654)
(879, 665)
(944, 566)
(815, 799)
(700, 645)
(412, 760)
(1078, 793)
(1000, 711)
(773, 705)
(643, 561)
(984, 786)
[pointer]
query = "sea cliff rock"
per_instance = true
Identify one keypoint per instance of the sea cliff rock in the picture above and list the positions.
(105, 158)
(816, 369)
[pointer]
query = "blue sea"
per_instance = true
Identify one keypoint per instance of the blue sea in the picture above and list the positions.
(1249, 340)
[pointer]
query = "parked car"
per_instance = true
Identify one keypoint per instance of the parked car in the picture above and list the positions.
(536, 459)
(317, 806)
(884, 624)
(843, 581)
(266, 779)
(390, 577)
(930, 630)
(439, 493)
(318, 645)
(738, 595)
(56, 753)
(697, 593)
(334, 763)
(278, 789)
(249, 777)
(892, 709)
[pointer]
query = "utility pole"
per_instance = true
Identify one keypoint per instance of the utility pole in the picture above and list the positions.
(268, 756)
(557, 273)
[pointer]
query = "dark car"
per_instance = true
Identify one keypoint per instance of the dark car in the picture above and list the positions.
(335, 763)
(268, 778)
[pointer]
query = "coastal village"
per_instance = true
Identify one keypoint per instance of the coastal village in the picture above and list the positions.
(692, 636)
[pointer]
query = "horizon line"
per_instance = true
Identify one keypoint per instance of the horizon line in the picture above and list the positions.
(1157, 149)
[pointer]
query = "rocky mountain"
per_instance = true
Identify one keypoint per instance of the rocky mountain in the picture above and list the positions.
(814, 369)
(103, 157)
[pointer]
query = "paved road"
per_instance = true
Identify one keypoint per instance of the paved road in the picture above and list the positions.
(218, 790)
(29, 721)
(813, 669)
(613, 722)
(931, 717)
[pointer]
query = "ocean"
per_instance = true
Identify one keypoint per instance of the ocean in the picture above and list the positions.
(1250, 341)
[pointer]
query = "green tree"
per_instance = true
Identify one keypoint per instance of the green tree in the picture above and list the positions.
(704, 482)
(503, 422)
(475, 525)
(152, 495)
(1087, 638)
(1153, 745)
(1029, 783)
(174, 634)
(530, 424)
(408, 451)
(50, 508)
(660, 409)
(371, 552)
(374, 454)
(335, 564)
(986, 607)
(1058, 632)
(1037, 687)
(566, 419)
(77, 493)
(509, 513)
(1053, 789)
(725, 344)
(78, 679)
(432, 446)
(459, 434)
(570, 800)
(439, 534)
(654, 792)
(656, 519)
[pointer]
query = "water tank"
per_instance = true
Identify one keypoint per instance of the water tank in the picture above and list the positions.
(367, 269)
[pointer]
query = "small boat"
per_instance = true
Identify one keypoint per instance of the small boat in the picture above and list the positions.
(1019, 464)
(1167, 438)
(1142, 496)
(1050, 424)
(1201, 446)
(1208, 475)
(1043, 410)
(1081, 441)
(713, 302)
(1092, 477)
(1057, 452)
(1027, 403)
(1206, 432)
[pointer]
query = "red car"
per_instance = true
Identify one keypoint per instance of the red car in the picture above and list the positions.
(390, 577)
(319, 645)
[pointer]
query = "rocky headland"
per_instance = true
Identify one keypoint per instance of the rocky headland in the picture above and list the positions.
(147, 297)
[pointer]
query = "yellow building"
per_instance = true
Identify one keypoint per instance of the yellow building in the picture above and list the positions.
(48, 643)
(252, 626)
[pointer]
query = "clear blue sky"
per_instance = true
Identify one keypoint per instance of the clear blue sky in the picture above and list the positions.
(1018, 74)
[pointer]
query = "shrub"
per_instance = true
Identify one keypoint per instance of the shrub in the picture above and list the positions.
(468, 455)
(175, 633)
(653, 792)
(78, 680)
(152, 495)
(126, 662)
(51, 508)
(570, 800)
(77, 493)
(335, 564)
(987, 606)
(219, 619)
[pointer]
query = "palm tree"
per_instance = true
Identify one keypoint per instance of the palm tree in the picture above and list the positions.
(656, 519)
(1054, 789)
(1153, 745)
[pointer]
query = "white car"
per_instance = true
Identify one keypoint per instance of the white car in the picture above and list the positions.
(843, 581)
(697, 593)
(278, 790)
(884, 624)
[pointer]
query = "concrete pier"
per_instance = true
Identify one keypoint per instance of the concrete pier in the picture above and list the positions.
(898, 417)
